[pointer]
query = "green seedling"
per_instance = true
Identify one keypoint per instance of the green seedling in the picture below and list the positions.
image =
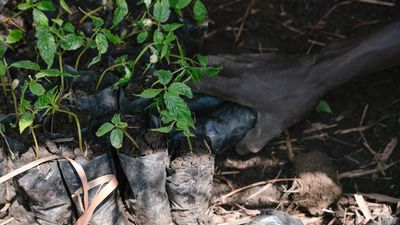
(117, 130)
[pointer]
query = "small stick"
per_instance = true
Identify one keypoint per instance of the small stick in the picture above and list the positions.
(249, 7)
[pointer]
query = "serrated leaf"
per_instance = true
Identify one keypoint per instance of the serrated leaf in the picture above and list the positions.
(46, 45)
(36, 88)
(116, 118)
(58, 21)
(45, 6)
(158, 37)
(116, 138)
(181, 4)
(69, 27)
(3, 68)
(104, 129)
(142, 37)
(199, 11)
(166, 129)
(120, 12)
(40, 18)
(26, 64)
(178, 109)
(202, 60)
(121, 125)
(25, 121)
(14, 36)
(71, 42)
(24, 6)
(178, 88)
(161, 11)
(97, 21)
(172, 26)
(164, 76)
(323, 107)
(48, 73)
(64, 6)
(101, 43)
(112, 38)
(150, 93)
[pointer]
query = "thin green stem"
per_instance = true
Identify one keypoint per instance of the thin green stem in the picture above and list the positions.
(88, 14)
(131, 139)
(3, 85)
(14, 97)
(104, 73)
(35, 141)
(83, 51)
(190, 144)
(141, 53)
(78, 126)
(61, 67)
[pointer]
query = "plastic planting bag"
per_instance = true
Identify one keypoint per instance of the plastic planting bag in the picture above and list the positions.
(282, 88)
(147, 176)
(109, 211)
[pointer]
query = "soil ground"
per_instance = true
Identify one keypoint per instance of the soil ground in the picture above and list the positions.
(366, 111)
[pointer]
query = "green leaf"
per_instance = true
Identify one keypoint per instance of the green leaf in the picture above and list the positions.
(97, 21)
(164, 76)
(45, 6)
(178, 88)
(14, 36)
(116, 138)
(71, 42)
(64, 6)
(121, 125)
(48, 73)
(111, 37)
(26, 64)
(40, 18)
(126, 78)
(3, 68)
(199, 11)
(161, 11)
(116, 118)
(46, 45)
(178, 109)
(24, 6)
(150, 93)
(120, 12)
(58, 21)
(181, 4)
(101, 43)
(142, 37)
(323, 107)
(104, 129)
(25, 121)
(36, 88)
(166, 130)
(202, 60)
(172, 26)
(69, 27)
(95, 60)
(158, 37)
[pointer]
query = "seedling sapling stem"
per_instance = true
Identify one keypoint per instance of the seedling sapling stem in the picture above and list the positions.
(131, 139)
(35, 141)
(78, 126)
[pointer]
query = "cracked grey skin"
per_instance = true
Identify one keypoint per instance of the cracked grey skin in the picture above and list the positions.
(283, 88)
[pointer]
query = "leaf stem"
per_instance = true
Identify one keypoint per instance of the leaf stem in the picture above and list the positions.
(105, 71)
(190, 144)
(131, 139)
(35, 141)
(88, 14)
(78, 126)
